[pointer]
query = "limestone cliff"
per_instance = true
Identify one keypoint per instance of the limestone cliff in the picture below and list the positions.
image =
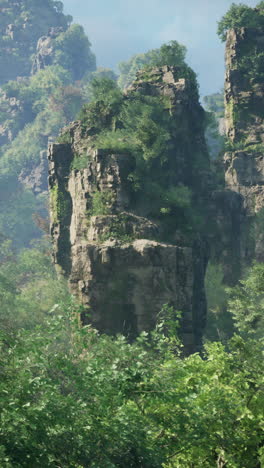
(244, 97)
(124, 260)
(244, 102)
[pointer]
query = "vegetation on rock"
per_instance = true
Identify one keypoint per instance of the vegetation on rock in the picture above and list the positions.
(241, 16)
(171, 54)
(34, 108)
(23, 23)
(143, 125)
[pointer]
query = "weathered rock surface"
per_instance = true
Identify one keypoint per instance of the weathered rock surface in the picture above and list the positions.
(244, 99)
(117, 262)
(228, 238)
(244, 118)
(45, 50)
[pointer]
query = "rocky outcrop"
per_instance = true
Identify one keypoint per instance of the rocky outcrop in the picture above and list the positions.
(45, 50)
(227, 238)
(244, 98)
(112, 250)
(244, 103)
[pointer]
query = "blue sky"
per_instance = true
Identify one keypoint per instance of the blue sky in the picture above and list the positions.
(118, 29)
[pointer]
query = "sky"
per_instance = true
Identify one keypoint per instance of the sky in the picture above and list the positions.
(119, 29)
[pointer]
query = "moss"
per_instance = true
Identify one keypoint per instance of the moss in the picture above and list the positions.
(64, 138)
(119, 230)
(230, 111)
(59, 204)
(79, 162)
(102, 203)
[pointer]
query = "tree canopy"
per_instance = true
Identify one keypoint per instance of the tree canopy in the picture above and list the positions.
(241, 15)
(172, 53)
(73, 398)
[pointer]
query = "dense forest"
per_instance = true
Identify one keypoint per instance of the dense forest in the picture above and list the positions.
(76, 396)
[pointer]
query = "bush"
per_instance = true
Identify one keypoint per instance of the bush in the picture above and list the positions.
(73, 398)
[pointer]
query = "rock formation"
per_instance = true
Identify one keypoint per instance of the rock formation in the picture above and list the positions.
(118, 260)
(244, 97)
(244, 102)
(45, 50)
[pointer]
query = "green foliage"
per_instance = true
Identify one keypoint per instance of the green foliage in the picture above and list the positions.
(102, 203)
(220, 325)
(142, 126)
(73, 398)
(178, 196)
(31, 19)
(118, 230)
(17, 208)
(215, 103)
(48, 80)
(68, 100)
(239, 16)
(215, 112)
(28, 285)
(72, 52)
(99, 73)
(106, 100)
(145, 118)
(64, 138)
(119, 141)
(215, 140)
(35, 107)
(46, 121)
(246, 302)
(59, 204)
(80, 162)
(172, 53)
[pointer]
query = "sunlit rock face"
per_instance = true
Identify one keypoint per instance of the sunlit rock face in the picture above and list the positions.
(244, 97)
(119, 264)
(244, 120)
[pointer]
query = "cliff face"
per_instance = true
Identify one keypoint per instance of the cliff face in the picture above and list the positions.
(244, 102)
(244, 97)
(119, 259)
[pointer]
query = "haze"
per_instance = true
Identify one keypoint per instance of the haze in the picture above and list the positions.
(118, 29)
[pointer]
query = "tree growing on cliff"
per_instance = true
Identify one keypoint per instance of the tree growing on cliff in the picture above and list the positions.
(239, 16)
(172, 53)
(72, 52)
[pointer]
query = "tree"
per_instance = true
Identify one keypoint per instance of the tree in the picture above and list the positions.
(172, 53)
(246, 303)
(28, 285)
(239, 16)
(72, 52)
(73, 398)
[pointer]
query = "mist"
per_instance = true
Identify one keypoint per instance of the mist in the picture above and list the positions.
(119, 29)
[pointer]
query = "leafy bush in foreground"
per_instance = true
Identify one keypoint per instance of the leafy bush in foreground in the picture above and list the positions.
(73, 398)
